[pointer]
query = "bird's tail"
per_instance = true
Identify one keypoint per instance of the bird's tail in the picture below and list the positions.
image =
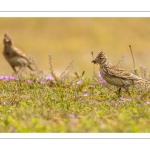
(144, 81)
(31, 68)
(31, 64)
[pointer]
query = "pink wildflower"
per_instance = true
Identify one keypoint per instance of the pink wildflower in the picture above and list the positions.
(49, 78)
(93, 86)
(86, 94)
(101, 80)
(123, 99)
(79, 82)
(42, 82)
(148, 102)
(29, 81)
(70, 124)
(71, 115)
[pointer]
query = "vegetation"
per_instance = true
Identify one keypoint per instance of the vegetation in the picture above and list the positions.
(73, 100)
(44, 103)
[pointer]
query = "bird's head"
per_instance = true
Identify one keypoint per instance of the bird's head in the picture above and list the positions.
(7, 40)
(101, 59)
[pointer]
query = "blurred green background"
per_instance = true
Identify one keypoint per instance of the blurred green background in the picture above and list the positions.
(70, 39)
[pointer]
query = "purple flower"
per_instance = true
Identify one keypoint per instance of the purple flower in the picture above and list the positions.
(148, 102)
(29, 81)
(42, 82)
(123, 99)
(129, 99)
(71, 115)
(49, 78)
(86, 94)
(11, 77)
(17, 79)
(99, 74)
(79, 82)
(101, 80)
(70, 124)
(12, 129)
(7, 78)
(2, 77)
(92, 86)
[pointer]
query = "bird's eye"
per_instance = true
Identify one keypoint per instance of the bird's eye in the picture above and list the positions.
(100, 58)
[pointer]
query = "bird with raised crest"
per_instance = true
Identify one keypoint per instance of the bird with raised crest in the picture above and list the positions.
(115, 75)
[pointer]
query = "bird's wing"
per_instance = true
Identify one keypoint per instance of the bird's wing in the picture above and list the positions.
(121, 73)
(17, 52)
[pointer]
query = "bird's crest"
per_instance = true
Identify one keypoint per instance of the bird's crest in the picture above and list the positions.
(101, 54)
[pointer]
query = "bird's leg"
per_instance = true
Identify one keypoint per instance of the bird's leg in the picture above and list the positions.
(21, 68)
(14, 69)
(127, 90)
(119, 90)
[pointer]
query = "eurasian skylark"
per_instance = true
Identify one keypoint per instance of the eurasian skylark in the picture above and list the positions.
(114, 75)
(13, 55)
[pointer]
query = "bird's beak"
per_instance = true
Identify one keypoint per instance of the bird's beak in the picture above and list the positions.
(94, 61)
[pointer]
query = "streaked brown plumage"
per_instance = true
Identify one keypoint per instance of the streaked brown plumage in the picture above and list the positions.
(13, 55)
(114, 75)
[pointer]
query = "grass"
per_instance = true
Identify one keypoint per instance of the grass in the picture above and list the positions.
(75, 99)
(46, 103)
